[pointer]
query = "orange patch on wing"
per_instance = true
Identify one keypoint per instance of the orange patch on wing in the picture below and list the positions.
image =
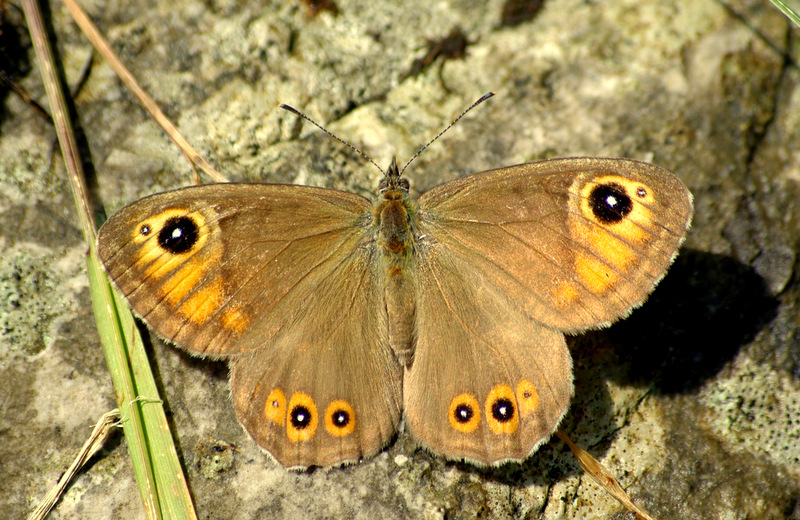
(565, 294)
(235, 320)
(275, 407)
(203, 303)
(502, 396)
(155, 264)
(608, 246)
(180, 284)
(595, 274)
(527, 397)
(604, 252)
(464, 403)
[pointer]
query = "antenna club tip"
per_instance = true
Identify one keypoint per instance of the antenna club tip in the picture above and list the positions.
(290, 109)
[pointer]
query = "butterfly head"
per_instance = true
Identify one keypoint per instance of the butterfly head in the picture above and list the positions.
(392, 182)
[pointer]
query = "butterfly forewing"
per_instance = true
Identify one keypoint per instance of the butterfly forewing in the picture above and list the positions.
(575, 243)
(208, 267)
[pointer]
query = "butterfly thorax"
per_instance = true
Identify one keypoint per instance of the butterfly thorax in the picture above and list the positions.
(393, 218)
(394, 236)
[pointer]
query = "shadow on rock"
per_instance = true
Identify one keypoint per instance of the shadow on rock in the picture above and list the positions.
(706, 309)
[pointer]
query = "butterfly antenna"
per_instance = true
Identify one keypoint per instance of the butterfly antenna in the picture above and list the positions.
(481, 100)
(359, 152)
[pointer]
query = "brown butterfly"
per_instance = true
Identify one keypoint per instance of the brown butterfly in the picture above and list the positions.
(338, 314)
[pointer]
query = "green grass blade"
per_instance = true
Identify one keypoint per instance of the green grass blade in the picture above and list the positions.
(158, 471)
(789, 12)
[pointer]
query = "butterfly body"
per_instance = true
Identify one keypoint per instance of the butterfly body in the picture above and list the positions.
(339, 316)
(395, 228)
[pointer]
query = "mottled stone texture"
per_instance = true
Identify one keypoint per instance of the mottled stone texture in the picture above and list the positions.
(693, 402)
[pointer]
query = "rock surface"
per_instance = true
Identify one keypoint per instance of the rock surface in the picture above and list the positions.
(693, 402)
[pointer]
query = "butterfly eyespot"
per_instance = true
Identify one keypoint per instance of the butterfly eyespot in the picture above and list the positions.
(178, 235)
(145, 229)
(464, 413)
(641, 192)
(527, 397)
(275, 407)
(501, 410)
(303, 419)
(340, 419)
(610, 203)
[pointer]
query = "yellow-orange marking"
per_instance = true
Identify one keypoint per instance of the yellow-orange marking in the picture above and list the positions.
(464, 400)
(606, 244)
(527, 397)
(600, 267)
(235, 320)
(565, 294)
(202, 304)
(154, 262)
(609, 253)
(595, 274)
(275, 407)
(182, 282)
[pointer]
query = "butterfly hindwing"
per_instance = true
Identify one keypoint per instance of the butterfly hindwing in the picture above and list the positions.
(327, 389)
(487, 383)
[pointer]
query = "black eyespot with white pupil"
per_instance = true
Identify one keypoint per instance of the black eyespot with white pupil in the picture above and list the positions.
(145, 230)
(610, 203)
(463, 413)
(340, 418)
(178, 235)
(300, 417)
(503, 410)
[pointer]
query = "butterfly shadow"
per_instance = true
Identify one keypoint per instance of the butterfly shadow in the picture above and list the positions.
(696, 322)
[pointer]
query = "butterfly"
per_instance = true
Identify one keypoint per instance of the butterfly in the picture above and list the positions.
(340, 316)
